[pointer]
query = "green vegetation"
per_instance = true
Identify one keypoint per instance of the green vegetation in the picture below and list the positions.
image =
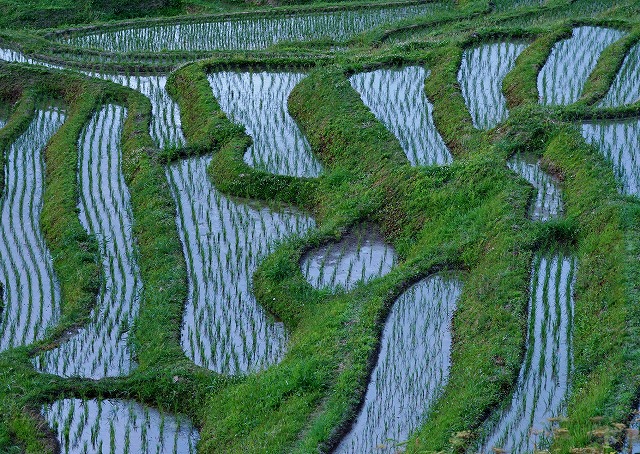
(471, 216)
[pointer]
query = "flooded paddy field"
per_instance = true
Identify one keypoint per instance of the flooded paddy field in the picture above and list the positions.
(30, 291)
(397, 98)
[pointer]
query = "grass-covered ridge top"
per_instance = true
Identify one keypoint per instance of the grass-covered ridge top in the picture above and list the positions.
(470, 216)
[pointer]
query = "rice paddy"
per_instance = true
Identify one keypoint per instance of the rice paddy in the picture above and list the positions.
(359, 256)
(249, 33)
(412, 367)
(301, 320)
(116, 426)
(543, 383)
(619, 142)
(548, 201)
(625, 89)
(224, 328)
(397, 98)
(30, 292)
(101, 348)
(480, 76)
(571, 61)
(258, 101)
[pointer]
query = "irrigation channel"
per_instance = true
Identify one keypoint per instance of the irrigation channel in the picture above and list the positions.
(481, 73)
(571, 61)
(548, 202)
(397, 98)
(543, 381)
(412, 367)
(258, 101)
(100, 349)
(249, 33)
(224, 328)
(359, 256)
(31, 299)
(117, 426)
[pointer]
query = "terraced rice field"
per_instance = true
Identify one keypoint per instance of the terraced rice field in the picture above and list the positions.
(111, 426)
(224, 328)
(100, 349)
(400, 392)
(323, 228)
(548, 200)
(540, 395)
(359, 256)
(396, 97)
(31, 295)
(249, 34)
(481, 73)
(258, 101)
(571, 61)
(619, 142)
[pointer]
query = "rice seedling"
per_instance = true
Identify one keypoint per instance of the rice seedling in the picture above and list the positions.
(100, 349)
(543, 381)
(548, 201)
(481, 73)
(31, 293)
(359, 256)
(626, 86)
(118, 427)
(249, 33)
(571, 61)
(258, 101)
(412, 367)
(397, 98)
(618, 141)
(224, 328)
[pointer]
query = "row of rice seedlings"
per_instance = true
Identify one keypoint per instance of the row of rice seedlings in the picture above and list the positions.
(118, 427)
(258, 101)
(619, 142)
(481, 73)
(571, 61)
(31, 291)
(412, 367)
(224, 327)
(249, 33)
(543, 381)
(548, 202)
(359, 256)
(626, 86)
(166, 126)
(100, 349)
(397, 98)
